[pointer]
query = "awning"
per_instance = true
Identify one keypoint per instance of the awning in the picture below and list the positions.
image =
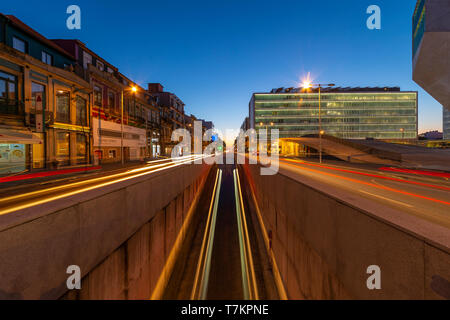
(19, 137)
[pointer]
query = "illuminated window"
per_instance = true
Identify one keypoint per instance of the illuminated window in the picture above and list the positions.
(63, 147)
(63, 106)
(81, 112)
(82, 148)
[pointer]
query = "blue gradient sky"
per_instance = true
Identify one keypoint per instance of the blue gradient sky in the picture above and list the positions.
(214, 54)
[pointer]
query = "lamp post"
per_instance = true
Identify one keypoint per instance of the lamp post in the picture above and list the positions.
(134, 90)
(402, 130)
(308, 85)
(267, 133)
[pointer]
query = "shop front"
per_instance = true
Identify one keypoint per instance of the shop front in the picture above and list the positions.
(16, 151)
(107, 142)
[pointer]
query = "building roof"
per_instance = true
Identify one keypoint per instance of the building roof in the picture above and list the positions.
(336, 89)
(36, 35)
(85, 47)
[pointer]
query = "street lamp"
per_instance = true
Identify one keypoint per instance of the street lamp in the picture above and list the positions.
(267, 132)
(308, 85)
(402, 130)
(134, 90)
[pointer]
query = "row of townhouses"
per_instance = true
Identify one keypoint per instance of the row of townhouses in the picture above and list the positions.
(62, 105)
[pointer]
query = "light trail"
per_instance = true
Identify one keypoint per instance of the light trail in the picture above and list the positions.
(298, 165)
(116, 178)
(247, 266)
(201, 280)
(84, 182)
(369, 174)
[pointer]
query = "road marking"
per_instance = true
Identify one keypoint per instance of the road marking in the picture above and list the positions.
(381, 197)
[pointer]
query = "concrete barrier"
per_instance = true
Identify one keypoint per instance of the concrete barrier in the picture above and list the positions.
(324, 241)
(119, 235)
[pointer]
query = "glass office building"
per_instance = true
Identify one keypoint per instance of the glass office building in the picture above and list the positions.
(351, 113)
(446, 124)
(418, 25)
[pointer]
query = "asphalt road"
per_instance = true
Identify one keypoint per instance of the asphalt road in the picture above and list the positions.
(30, 195)
(225, 273)
(422, 196)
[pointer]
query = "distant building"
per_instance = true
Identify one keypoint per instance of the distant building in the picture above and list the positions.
(353, 113)
(431, 135)
(44, 105)
(209, 125)
(246, 124)
(172, 111)
(446, 124)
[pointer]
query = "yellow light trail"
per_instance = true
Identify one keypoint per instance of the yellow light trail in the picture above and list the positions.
(151, 169)
(249, 266)
(204, 248)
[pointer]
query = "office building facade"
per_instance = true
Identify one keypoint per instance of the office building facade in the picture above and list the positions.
(351, 113)
(446, 124)
(430, 43)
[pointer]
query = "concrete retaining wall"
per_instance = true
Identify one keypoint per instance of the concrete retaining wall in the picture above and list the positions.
(119, 236)
(323, 243)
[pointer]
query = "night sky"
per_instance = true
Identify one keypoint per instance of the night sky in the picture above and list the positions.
(215, 54)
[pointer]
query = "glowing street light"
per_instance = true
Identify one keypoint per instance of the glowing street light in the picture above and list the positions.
(134, 90)
(402, 130)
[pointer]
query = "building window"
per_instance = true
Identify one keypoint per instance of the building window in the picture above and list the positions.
(37, 96)
(82, 148)
(20, 45)
(8, 93)
(81, 112)
(112, 101)
(63, 148)
(38, 106)
(47, 58)
(111, 154)
(63, 106)
(109, 70)
(98, 96)
(87, 59)
(100, 65)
